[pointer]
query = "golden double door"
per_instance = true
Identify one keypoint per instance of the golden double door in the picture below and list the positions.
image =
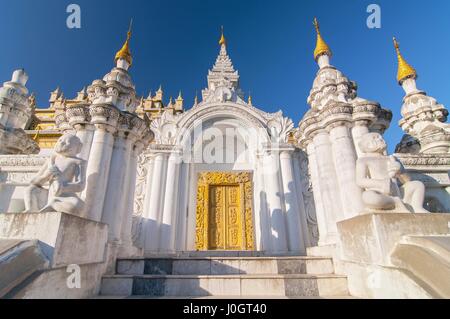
(225, 220)
(224, 211)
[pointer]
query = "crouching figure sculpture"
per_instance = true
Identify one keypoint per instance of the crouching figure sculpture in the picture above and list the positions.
(386, 186)
(65, 173)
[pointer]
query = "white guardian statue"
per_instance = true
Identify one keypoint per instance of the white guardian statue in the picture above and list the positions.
(379, 174)
(65, 173)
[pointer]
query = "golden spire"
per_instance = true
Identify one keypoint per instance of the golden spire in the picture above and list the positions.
(405, 71)
(222, 40)
(125, 53)
(321, 46)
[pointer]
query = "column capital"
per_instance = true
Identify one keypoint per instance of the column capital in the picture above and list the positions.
(127, 127)
(78, 114)
(105, 127)
(104, 114)
(138, 147)
(161, 148)
(339, 123)
(362, 122)
(279, 147)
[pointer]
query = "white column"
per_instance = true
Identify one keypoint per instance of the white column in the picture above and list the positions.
(192, 208)
(117, 186)
(298, 175)
(344, 156)
(328, 184)
(78, 117)
(295, 237)
(317, 193)
(152, 217)
(98, 171)
(182, 210)
(85, 132)
(169, 218)
(127, 221)
(272, 196)
(148, 184)
(262, 219)
(359, 129)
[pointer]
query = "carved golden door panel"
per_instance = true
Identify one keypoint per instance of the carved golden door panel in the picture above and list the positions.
(225, 220)
(224, 212)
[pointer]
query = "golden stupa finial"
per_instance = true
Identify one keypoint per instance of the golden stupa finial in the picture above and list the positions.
(125, 53)
(321, 46)
(405, 71)
(222, 40)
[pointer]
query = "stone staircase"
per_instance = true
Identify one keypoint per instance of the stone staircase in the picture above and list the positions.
(234, 275)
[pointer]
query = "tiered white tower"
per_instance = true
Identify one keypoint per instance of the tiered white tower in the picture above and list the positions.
(15, 114)
(425, 148)
(330, 132)
(423, 118)
(113, 136)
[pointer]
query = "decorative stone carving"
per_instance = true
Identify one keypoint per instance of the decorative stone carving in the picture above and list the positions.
(379, 175)
(16, 111)
(223, 81)
(417, 162)
(65, 174)
(165, 128)
(78, 114)
(424, 119)
(308, 198)
(116, 89)
(141, 183)
(104, 114)
(334, 102)
(280, 127)
(21, 160)
(16, 141)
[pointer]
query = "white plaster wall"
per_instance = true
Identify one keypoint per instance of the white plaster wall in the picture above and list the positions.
(242, 158)
(15, 173)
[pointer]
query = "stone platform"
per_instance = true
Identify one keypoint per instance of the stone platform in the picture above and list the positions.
(225, 276)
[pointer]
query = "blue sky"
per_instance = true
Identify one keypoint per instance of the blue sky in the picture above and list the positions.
(270, 42)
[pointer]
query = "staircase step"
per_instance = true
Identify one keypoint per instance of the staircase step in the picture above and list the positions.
(223, 285)
(217, 253)
(225, 265)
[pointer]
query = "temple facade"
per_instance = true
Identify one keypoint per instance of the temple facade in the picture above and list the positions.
(225, 178)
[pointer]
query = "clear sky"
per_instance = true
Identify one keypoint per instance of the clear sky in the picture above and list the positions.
(270, 42)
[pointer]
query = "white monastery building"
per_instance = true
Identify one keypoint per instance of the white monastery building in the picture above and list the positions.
(222, 198)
